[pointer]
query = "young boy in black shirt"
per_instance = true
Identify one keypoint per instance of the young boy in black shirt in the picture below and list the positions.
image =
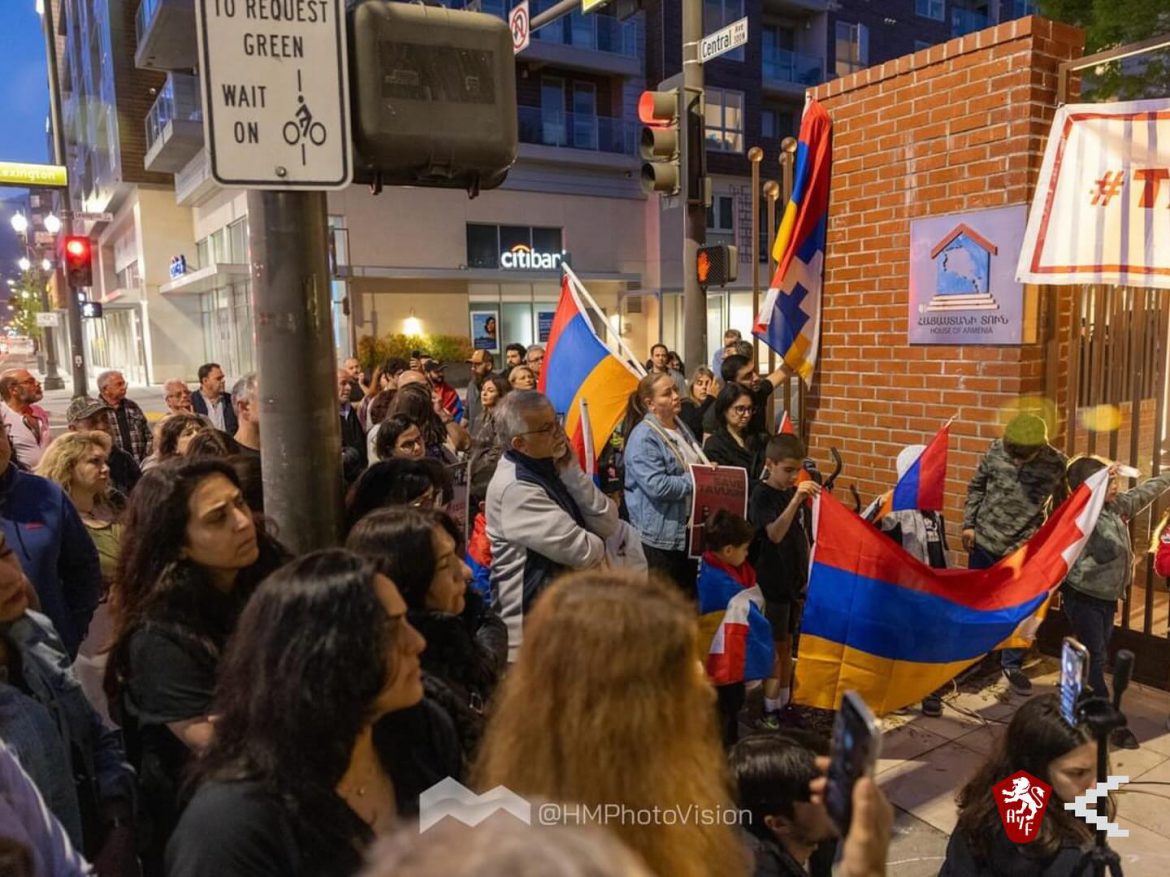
(780, 556)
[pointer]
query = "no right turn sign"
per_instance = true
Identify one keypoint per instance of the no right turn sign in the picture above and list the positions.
(518, 24)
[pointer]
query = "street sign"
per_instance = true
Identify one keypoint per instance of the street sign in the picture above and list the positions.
(48, 320)
(15, 173)
(275, 90)
(590, 5)
(518, 24)
(44, 238)
(93, 217)
(723, 40)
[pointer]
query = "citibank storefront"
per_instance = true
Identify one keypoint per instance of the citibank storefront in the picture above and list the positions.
(504, 292)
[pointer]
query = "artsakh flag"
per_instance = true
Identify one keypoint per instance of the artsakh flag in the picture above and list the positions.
(880, 621)
(579, 366)
(731, 610)
(790, 318)
(922, 487)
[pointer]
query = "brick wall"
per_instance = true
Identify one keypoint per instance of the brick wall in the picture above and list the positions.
(959, 126)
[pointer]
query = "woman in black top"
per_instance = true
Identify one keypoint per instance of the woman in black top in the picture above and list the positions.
(700, 397)
(191, 556)
(1040, 741)
(733, 443)
(467, 643)
(298, 779)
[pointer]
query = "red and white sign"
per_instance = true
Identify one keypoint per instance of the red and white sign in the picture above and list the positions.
(1101, 213)
(518, 24)
(1021, 800)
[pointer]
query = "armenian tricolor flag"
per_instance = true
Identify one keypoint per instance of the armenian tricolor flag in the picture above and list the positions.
(731, 619)
(786, 426)
(578, 365)
(922, 486)
(880, 621)
(790, 318)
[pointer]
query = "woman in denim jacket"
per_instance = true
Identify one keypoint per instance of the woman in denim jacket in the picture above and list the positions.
(659, 450)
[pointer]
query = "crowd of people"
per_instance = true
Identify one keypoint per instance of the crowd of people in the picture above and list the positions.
(184, 697)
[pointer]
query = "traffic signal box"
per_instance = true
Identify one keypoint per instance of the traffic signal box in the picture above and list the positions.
(717, 265)
(433, 95)
(78, 261)
(660, 112)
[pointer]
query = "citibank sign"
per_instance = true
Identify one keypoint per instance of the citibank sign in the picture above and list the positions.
(523, 256)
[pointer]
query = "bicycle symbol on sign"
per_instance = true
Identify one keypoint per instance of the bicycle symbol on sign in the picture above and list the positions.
(301, 129)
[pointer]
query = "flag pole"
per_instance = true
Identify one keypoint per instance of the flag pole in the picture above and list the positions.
(623, 351)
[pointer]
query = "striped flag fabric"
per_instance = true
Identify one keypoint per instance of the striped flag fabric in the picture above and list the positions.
(786, 426)
(880, 621)
(579, 366)
(789, 321)
(731, 618)
(922, 487)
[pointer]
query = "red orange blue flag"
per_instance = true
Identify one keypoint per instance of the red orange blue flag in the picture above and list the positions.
(578, 366)
(731, 610)
(880, 621)
(790, 318)
(922, 487)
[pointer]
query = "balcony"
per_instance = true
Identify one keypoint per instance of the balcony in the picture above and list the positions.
(965, 21)
(791, 72)
(166, 35)
(789, 7)
(174, 125)
(578, 131)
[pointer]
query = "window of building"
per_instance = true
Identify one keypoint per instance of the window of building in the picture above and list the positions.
(721, 220)
(718, 14)
(852, 47)
(483, 246)
(724, 120)
(237, 233)
(1010, 9)
(776, 124)
(584, 115)
(552, 111)
(935, 9)
(128, 277)
(202, 254)
(919, 45)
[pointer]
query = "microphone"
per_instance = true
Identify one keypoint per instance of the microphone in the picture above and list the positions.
(1122, 672)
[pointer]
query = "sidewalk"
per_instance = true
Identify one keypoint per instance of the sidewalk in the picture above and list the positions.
(926, 761)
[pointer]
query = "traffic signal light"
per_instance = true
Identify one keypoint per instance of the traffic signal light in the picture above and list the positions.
(717, 265)
(78, 261)
(659, 112)
(433, 95)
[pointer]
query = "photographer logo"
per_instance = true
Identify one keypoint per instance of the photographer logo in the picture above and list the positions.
(1021, 800)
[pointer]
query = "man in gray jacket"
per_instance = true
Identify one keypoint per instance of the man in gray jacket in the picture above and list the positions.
(544, 515)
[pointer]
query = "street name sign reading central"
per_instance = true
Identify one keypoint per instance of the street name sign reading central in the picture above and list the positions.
(723, 40)
(275, 90)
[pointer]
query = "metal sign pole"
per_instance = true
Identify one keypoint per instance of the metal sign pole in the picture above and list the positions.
(53, 381)
(300, 435)
(694, 209)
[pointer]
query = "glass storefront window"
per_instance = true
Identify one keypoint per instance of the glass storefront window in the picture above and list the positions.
(238, 241)
(514, 235)
(483, 246)
(547, 240)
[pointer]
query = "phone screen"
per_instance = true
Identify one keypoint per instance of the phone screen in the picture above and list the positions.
(854, 754)
(1073, 658)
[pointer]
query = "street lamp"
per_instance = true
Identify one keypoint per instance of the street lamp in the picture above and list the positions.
(46, 265)
(19, 223)
(52, 224)
(24, 263)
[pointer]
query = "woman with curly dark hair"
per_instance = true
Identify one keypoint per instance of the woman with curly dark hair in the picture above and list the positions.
(192, 554)
(467, 643)
(1040, 741)
(298, 778)
(174, 435)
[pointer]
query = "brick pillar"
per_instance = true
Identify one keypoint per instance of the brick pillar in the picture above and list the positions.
(956, 127)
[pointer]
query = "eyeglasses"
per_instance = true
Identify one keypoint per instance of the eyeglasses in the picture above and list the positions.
(744, 409)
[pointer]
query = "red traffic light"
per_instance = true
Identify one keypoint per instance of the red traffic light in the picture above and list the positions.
(658, 107)
(78, 261)
(77, 248)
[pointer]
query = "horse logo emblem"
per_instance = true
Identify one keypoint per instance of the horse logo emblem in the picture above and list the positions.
(1022, 800)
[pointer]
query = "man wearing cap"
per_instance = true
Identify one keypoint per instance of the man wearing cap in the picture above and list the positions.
(86, 414)
(481, 363)
(1019, 481)
(448, 395)
(26, 422)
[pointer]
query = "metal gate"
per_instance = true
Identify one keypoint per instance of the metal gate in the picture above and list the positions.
(1116, 405)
